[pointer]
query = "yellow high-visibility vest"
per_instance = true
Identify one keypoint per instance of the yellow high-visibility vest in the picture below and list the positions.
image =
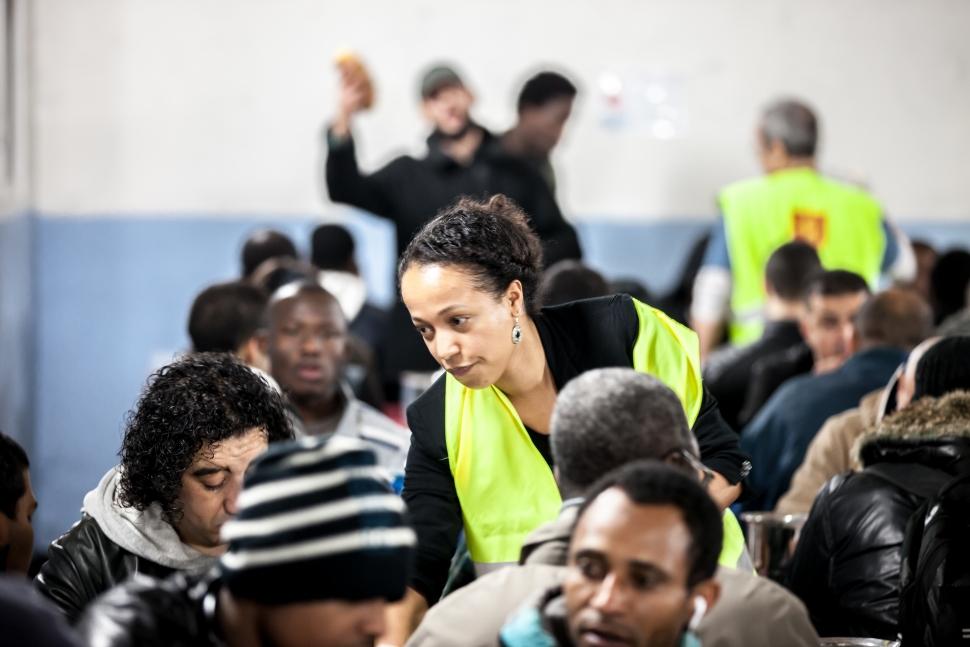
(505, 486)
(842, 222)
(733, 547)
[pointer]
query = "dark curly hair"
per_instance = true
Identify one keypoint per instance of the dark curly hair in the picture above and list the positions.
(492, 240)
(199, 400)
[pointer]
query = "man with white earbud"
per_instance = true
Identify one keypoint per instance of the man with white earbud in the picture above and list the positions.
(603, 420)
(641, 566)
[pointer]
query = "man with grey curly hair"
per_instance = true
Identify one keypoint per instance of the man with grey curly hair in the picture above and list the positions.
(603, 420)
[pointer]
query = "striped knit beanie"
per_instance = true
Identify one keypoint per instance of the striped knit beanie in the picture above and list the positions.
(316, 521)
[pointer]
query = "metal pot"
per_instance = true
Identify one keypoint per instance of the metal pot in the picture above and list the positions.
(771, 539)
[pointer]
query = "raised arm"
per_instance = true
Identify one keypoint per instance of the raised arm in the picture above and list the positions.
(345, 183)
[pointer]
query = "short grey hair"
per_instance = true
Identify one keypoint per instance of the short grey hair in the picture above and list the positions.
(608, 417)
(792, 123)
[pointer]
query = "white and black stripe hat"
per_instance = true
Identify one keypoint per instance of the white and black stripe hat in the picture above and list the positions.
(316, 521)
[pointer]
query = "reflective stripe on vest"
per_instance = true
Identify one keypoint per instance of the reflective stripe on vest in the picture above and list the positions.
(504, 485)
(842, 222)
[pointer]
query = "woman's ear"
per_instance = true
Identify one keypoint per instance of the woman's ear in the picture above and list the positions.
(516, 297)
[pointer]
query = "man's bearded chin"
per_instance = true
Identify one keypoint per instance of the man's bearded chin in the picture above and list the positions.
(461, 132)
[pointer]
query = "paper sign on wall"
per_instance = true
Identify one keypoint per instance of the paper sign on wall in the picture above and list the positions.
(642, 101)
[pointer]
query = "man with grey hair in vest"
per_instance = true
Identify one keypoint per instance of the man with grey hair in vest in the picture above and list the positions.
(318, 548)
(605, 419)
(791, 201)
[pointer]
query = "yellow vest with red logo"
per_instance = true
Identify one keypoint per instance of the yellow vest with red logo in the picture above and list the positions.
(843, 223)
(504, 485)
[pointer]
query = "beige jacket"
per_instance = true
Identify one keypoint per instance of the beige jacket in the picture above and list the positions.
(751, 612)
(830, 453)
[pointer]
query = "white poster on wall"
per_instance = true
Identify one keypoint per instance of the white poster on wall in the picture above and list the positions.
(643, 101)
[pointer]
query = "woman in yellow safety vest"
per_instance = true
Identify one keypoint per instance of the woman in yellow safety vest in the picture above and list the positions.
(479, 457)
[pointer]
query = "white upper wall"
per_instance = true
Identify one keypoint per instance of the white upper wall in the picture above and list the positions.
(215, 106)
(15, 144)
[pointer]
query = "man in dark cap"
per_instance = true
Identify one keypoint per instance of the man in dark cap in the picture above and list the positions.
(463, 159)
(318, 548)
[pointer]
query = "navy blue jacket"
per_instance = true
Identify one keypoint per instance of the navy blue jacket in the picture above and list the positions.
(779, 435)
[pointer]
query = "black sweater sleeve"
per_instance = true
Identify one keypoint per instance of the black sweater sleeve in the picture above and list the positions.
(559, 239)
(346, 184)
(719, 445)
(429, 492)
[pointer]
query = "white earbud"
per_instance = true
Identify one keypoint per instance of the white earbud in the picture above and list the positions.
(700, 608)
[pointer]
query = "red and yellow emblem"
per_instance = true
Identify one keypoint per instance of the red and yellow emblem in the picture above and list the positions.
(809, 226)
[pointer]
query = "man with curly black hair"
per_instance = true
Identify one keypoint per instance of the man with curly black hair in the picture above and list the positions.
(196, 428)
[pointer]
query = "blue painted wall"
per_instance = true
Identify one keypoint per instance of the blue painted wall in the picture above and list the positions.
(111, 296)
(16, 326)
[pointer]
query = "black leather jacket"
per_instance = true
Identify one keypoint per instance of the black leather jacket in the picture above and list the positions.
(178, 611)
(83, 563)
(846, 567)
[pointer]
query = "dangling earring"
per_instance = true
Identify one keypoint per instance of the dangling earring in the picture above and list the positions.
(516, 332)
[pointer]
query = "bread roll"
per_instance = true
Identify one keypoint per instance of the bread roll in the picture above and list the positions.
(352, 69)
